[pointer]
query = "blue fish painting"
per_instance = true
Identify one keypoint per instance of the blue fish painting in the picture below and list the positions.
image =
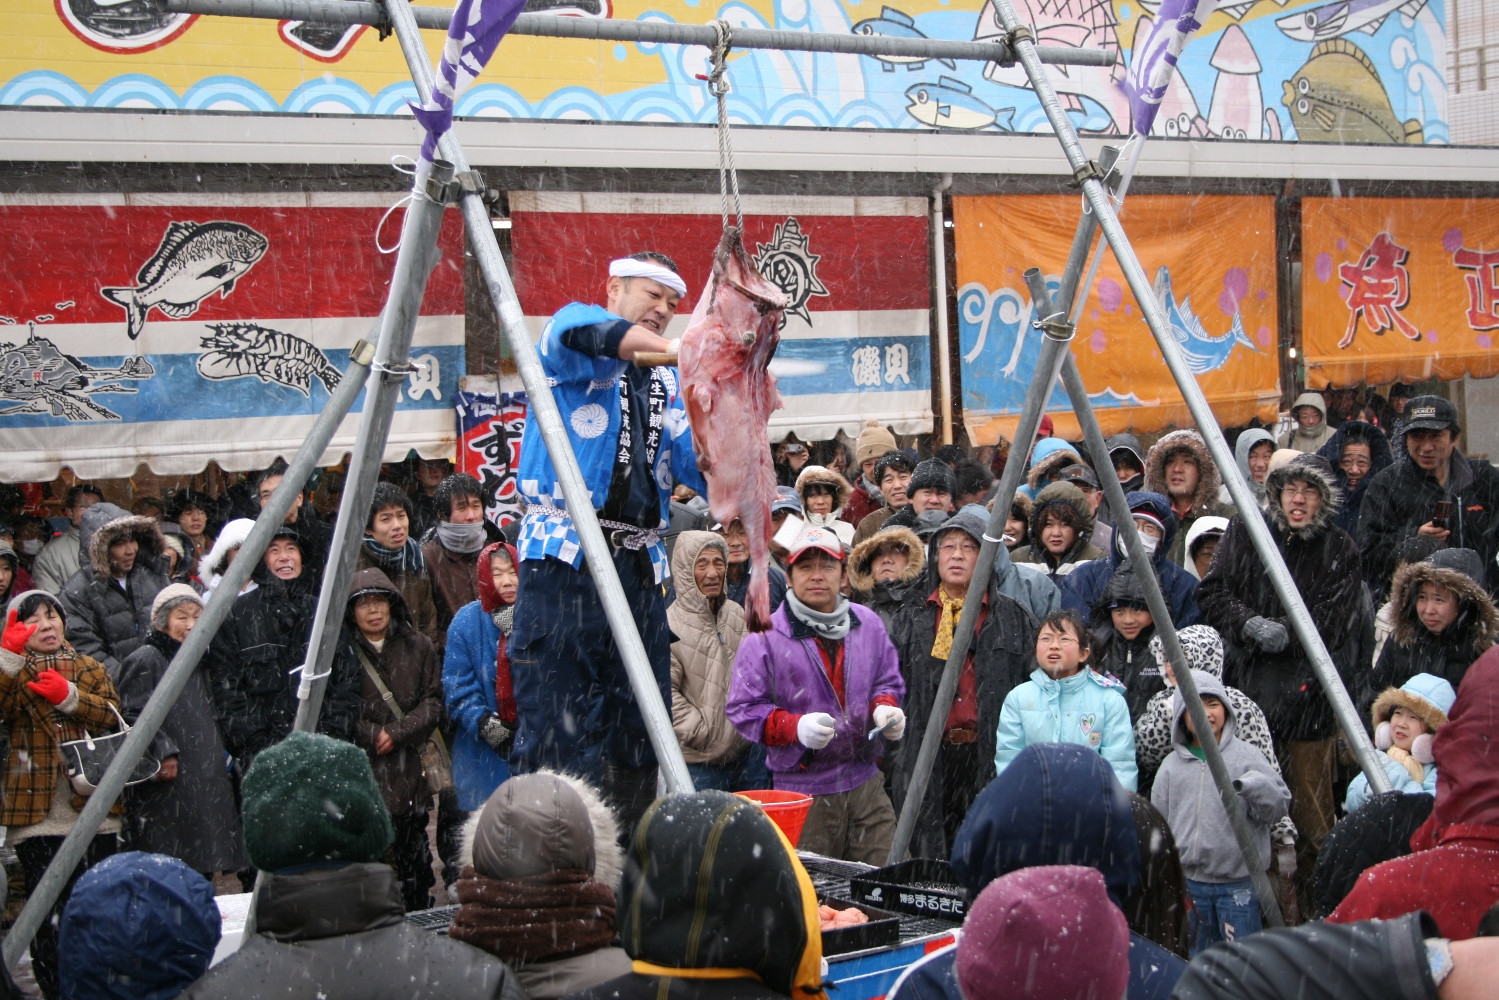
(1204, 353)
(894, 23)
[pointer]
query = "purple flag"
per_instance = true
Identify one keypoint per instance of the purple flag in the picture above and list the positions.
(478, 26)
(1155, 56)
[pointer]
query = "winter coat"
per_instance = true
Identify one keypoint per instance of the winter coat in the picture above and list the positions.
(453, 586)
(1412, 649)
(1404, 496)
(863, 499)
(1048, 458)
(1185, 793)
(1067, 501)
(1243, 446)
(409, 666)
(1202, 526)
(782, 668)
(885, 598)
(1454, 872)
(1001, 656)
(1157, 906)
(34, 766)
(739, 591)
(1324, 563)
(1026, 584)
(1084, 586)
(702, 659)
(1129, 661)
(1428, 698)
(872, 522)
(1119, 442)
(533, 829)
(1086, 708)
(1062, 804)
(841, 492)
(1307, 441)
(250, 662)
(108, 619)
(415, 589)
(1385, 959)
(57, 562)
(195, 816)
(1380, 458)
(1379, 830)
(1204, 499)
(714, 905)
(342, 932)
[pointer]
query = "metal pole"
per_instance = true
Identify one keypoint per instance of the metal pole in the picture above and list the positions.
(939, 270)
(272, 514)
(1197, 404)
(552, 26)
(1054, 341)
(414, 262)
(543, 410)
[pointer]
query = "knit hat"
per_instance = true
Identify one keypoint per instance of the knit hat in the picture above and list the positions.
(1201, 645)
(167, 599)
(932, 475)
(873, 442)
(24, 604)
(174, 542)
(1048, 932)
(1426, 696)
(312, 798)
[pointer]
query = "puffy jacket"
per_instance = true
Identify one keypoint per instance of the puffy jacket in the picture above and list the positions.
(1048, 458)
(1084, 586)
(782, 668)
(1185, 792)
(1026, 584)
(107, 619)
(1404, 496)
(1379, 830)
(1129, 661)
(702, 658)
(1412, 648)
(1454, 872)
(342, 932)
(1066, 501)
(475, 651)
(886, 597)
(1086, 708)
(1324, 563)
(411, 672)
(1429, 699)
(1205, 499)
(57, 561)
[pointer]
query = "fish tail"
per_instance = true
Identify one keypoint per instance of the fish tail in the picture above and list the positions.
(135, 311)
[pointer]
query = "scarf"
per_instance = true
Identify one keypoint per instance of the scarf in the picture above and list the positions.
(872, 490)
(952, 607)
(504, 690)
(1412, 766)
(536, 918)
(825, 624)
(504, 618)
(401, 561)
(465, 539)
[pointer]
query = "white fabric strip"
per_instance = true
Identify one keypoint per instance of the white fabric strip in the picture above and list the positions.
(629, 267)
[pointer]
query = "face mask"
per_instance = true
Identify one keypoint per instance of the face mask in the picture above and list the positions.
(464, 538)
(31, 546)
(1147, 542)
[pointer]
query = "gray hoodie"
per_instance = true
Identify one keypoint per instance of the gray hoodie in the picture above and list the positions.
(1242, 448)
(1185, 794)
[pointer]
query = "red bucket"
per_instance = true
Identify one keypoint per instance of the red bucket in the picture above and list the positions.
(788, 810)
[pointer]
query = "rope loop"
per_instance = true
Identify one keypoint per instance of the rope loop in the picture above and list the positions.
(718, 86)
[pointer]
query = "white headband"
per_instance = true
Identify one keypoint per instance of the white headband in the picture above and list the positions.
(629, 267)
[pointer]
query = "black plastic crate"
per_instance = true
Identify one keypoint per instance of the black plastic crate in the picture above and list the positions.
(882, 930)
(921, 886)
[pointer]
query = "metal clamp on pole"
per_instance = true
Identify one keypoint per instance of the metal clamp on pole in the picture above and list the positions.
(1089, 171)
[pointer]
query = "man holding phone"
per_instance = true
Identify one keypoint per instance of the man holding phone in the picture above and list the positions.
(1437, 492)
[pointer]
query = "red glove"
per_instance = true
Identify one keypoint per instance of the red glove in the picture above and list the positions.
(13, 640)
(51, 685)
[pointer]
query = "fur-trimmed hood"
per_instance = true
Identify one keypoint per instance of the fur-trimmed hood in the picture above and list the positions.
(827, 477)
(1209, 480)
(104, 524)
(1313, 470)
(544, 811)
(231, 537)
(1427, 697)
(860, 572)
(1061, 495)
(1478, 620)
(1050, 462)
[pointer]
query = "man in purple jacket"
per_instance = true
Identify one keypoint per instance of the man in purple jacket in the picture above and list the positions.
(812, 689)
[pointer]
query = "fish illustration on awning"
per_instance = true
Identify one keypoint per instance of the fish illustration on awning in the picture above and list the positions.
(193, 261)
(1204, 352)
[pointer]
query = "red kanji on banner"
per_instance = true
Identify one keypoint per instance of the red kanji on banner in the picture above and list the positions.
(1483, 292)
(1379, 286)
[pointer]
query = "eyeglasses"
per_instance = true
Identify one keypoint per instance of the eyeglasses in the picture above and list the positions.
(1056, 638)
(949, 548)
(1292, 493)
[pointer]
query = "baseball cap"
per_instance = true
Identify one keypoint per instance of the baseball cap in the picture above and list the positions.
(786, 499)
(819, 539)
(1430, 413)
(1079, 475)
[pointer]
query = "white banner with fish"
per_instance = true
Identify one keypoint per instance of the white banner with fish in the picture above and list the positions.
(856, 342)
(174, 330)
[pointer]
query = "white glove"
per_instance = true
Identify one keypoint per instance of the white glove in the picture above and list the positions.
(889, 715)
(815, 730)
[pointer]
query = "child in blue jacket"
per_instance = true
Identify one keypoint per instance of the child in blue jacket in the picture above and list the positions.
(1066, 701)
(1405, 718)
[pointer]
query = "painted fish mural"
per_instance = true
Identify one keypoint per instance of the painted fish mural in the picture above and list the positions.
(1078, 24)
(1333, 19)
(39, 378)
(245, 350)
(894, 23)
(1337, 97)
(949, 104)
(1203, 351)
(193, 261)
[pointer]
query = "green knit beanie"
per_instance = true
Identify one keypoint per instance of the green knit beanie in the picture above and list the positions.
(312, 798)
